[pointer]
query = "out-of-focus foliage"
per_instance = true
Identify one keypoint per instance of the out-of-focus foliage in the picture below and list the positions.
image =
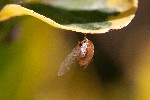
(31, 52)
(92, 16)
(27, 62)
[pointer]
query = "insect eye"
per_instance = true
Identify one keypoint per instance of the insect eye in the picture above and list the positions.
(80, 44)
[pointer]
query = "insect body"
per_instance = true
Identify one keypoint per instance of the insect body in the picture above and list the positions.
(83, 52)
(86, 52)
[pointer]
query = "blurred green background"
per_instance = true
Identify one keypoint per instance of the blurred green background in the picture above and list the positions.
(32, 51)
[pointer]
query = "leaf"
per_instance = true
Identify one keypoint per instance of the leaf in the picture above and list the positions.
(92, 16)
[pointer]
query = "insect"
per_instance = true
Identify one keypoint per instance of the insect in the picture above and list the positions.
(83, 53)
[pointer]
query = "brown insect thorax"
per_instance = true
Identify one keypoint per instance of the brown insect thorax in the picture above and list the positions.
(86, 52)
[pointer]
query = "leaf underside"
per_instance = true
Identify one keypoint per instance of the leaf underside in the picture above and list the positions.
(85, 20)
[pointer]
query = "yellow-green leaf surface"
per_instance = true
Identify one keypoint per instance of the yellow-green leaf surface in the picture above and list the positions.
(92, 16)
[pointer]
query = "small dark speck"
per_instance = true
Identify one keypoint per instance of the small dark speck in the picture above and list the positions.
(14, 34)
(112, 30)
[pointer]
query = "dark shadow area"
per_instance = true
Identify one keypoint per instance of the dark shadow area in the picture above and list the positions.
(107, 69)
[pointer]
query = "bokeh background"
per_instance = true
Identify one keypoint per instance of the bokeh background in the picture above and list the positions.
(32, 51)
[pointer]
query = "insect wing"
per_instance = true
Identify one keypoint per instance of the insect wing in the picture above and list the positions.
(66, 64)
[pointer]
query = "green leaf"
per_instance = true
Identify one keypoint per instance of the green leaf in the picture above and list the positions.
(92, 16)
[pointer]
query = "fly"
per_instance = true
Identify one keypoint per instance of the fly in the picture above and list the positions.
(83, 53)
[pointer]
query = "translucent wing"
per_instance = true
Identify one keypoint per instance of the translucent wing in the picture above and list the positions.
(66, 64)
